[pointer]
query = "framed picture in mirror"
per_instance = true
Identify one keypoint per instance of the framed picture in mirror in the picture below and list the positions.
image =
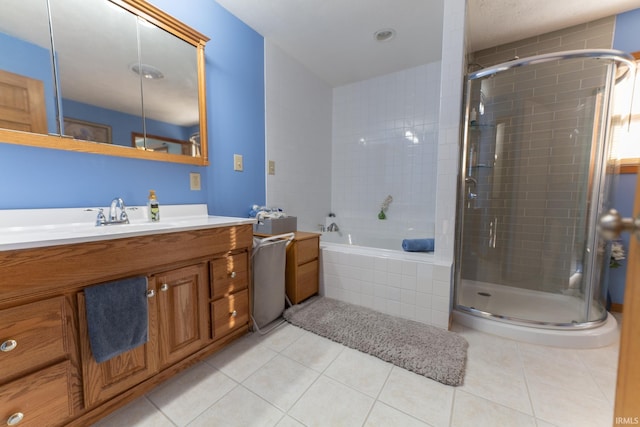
(87, 131)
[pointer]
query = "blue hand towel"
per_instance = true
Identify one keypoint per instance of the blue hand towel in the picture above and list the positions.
(117, 316)
(418, 245)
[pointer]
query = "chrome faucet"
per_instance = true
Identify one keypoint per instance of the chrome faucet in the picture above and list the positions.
(116, 204)
(333, 227)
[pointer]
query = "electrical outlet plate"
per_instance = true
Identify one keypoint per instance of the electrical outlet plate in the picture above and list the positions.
(194, 181)
(237, 162)
(272, 167)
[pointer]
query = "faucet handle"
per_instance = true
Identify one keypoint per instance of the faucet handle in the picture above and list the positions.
(101, 219)
(123, 211)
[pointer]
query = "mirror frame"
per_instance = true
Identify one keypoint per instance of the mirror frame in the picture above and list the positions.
(168, 23)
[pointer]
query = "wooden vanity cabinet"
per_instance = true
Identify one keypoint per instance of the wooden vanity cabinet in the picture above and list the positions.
(51, 375)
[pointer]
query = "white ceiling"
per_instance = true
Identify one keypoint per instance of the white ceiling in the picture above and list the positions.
(334, 38)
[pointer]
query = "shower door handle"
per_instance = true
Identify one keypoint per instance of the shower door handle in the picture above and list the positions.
(612, 224)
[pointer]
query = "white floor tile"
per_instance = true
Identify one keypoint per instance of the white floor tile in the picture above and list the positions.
(473, 411)
(313, 351)
(418, 396)
(282, 337)
(241, 358)
(191, 392)
(281, 381)
(287, 421)
(559, 366)
(239, 408)
(567, 408)
(384, 416)
(329, 403)
(361, 371)
(292, 378)
(139, 413)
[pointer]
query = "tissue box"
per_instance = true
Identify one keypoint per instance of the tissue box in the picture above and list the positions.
(276, 225)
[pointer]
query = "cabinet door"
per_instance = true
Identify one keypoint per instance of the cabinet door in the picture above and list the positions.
(183, 318)
(107, 379)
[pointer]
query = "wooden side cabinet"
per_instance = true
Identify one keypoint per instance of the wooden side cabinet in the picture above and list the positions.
(302, 270)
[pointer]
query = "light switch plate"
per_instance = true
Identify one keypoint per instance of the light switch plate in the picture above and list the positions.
(194, 181)
(272, 167)
(237, 162)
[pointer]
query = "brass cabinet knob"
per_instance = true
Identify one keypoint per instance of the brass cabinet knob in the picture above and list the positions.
(8, 345)
(15, 419)
(234, 313)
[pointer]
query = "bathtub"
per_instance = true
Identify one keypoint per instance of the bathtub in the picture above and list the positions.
(384, 277)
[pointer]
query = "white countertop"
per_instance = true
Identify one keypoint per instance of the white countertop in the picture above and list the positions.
(34, 228)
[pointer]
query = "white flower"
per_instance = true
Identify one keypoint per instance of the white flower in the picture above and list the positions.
(617, 251)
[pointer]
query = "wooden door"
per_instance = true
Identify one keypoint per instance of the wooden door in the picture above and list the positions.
(22, 103)
(183, 320)
(627, 406)
(107, 379)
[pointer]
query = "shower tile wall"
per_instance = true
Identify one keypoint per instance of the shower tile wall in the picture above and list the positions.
(385, 143)
(542, 165)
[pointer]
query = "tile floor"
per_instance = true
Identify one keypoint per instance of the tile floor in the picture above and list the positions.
(291, 377)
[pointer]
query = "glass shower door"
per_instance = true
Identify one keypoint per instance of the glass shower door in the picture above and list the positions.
(533, 181)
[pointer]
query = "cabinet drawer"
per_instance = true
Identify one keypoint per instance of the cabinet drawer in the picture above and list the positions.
(222, 313)
(37, 330)
(307, 250)
(42, 397)
(307, 280)
(229, 275)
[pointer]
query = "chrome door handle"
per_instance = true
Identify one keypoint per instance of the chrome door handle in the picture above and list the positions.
(612, 224)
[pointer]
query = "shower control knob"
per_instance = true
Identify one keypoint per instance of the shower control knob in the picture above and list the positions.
(612, 224)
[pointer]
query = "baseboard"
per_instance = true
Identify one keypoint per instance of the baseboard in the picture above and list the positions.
(616, 307)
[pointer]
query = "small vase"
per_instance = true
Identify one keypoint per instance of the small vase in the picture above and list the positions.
(381, 215)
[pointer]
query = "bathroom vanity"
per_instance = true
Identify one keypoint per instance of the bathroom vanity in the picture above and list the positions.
(198, 302)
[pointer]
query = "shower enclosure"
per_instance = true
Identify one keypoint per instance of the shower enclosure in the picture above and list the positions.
(534, 178)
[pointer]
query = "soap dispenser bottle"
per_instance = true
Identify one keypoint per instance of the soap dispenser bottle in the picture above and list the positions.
(154, 207)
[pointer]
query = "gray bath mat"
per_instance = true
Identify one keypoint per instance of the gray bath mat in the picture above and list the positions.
(426, 350)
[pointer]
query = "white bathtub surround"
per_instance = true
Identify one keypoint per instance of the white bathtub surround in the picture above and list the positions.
(385, 144)
(409, 285)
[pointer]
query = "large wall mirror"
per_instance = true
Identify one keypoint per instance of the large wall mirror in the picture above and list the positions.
(102, 76)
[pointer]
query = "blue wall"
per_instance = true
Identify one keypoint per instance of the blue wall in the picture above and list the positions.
(626, 38)
(43, 178)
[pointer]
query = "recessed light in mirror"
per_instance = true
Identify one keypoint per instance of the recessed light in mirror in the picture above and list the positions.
(147, 71)
(384, 35)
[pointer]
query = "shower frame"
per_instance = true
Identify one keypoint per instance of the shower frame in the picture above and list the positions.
(596, 182)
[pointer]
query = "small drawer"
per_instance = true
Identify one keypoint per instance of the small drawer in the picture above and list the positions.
(230, 313)
(229, 275)
(308, 249)
(307, 280)
(31, 335)
(40, 399)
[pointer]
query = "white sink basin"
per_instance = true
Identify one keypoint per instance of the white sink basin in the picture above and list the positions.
(21, 229)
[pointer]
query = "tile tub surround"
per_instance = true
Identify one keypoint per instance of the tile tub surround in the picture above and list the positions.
(292, 377)
(407, 285)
